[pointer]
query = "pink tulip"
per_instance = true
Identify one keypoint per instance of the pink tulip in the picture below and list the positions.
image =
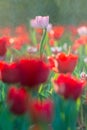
(41, 22)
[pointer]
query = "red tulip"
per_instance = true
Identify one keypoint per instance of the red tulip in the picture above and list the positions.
(68, 86)
(56, 32)
(10, 73)
(72, 30)
(81, 41)
(41, 111)
(39, 31)
(3, 47)
(17, 100)
(33, 72)
(66, 63)
(1, 67)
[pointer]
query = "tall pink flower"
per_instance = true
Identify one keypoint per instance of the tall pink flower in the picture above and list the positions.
(41, 22)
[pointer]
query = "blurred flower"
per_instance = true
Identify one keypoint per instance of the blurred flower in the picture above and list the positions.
(73, 29)
(41, 22)
(10, 72)
(49, 27)
(51, 41)
(66, 63)
(65, 46)
(1, 67)
(82, 30)
(41, 111)
(83, 75)
(56, 32)
(17, 100)
(81, 41)
(33, 72)
(56, 49)
(32, 49)
(39, 30)
(20, 38)
(21, 29)
(6, 31)
(2, 58)
(3, 47)
(68, 86)
(18, 41)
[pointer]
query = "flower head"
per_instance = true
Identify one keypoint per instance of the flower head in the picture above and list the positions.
(56, 32)
(82, 30)
(41, 22)
(9, 72)
(68, 86)
(33, 72)
(3, 48)
(41, 111)
(66, 63)
(17, 100)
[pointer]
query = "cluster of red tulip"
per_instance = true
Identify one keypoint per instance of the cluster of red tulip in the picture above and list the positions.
(27, 74)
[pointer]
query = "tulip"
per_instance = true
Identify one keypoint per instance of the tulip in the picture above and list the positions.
(41, 111)
(66, 63)
(82, 30)
(17, 100)
(9, 72)
(68, 86)
(3, 47)
(56, 32)
(33, 72)
(41, 22)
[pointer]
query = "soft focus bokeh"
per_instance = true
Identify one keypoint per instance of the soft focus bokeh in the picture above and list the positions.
(43, 65)
(15, 12)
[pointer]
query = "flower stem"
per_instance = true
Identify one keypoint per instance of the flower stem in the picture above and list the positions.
(42, 43)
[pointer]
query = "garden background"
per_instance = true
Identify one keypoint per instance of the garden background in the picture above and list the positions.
(69, 42)
(15, 12)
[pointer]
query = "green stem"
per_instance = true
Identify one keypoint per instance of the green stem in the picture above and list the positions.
(33, 35)
(82, 119)
(42, 43)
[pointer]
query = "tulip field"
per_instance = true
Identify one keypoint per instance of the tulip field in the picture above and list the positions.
(43, 76)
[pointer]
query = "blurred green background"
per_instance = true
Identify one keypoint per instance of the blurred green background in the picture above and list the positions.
(15, 12)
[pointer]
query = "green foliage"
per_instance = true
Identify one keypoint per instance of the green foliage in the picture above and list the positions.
(65, 114)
